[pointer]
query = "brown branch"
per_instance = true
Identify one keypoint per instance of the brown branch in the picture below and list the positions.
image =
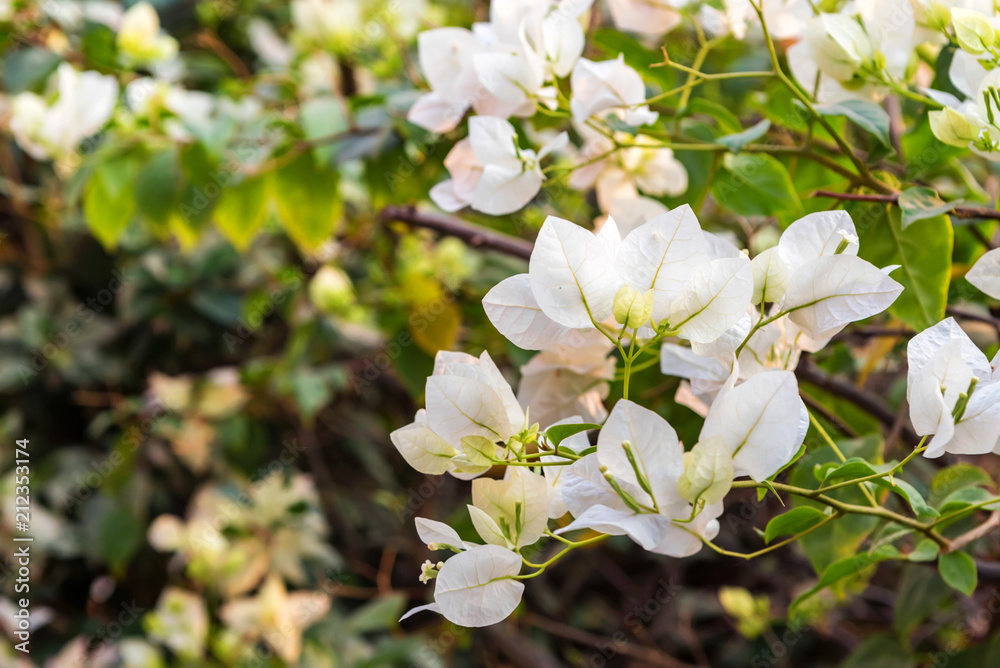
(647, 654)
(209, 40)
(874, 406)
(966, 212)
(972, 315)
(475, 236)
(976, 533)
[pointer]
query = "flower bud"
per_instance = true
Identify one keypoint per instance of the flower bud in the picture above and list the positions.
(770, 276)
(953, 127)
(330, 290)
(974, 31)
(139, 38)
(708, 472)
(633, 308)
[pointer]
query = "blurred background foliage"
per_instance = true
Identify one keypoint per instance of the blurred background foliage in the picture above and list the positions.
(207, 331)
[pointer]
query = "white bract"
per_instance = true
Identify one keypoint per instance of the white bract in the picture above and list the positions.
(953, 392)
(609, 87)
(140, 40)
(53, 126)
(857, 50)
(700, 288)
(621, 174)
(985, 274)
(490, 172)
(466, 396)
(630, 486)
(816, 285)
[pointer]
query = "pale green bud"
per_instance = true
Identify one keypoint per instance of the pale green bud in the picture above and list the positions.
(331, 291)
(708, 472)
(974, 31)
(770, 276)
(633, 308)
(953, 127)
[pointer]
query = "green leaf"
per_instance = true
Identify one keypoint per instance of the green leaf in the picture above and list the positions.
(881, 651)
(920, 594)
(323, 118)
(119, 536)
(108, 202)
(958, 570)
(242, 210)
(308, 204)
(736, 142)
(956, 477)
(158, 189)
(556, 434)
(755, 184)
(794, 521)
(925, 550)
(920, 203)
(845, 568)
(924, 252)
(855, 468)
(867, 115)
(27, 69)
(727, 121)
(378, 614)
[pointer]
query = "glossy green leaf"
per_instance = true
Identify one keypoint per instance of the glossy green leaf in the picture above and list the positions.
(307, 199)
(794, 521)
(242, 210)
(556, 434)
(736, 142)
(923, 251)
(920, 203)
(958, 570)
(108, 200)
(754, 184)
(869, 116)
(846, 568)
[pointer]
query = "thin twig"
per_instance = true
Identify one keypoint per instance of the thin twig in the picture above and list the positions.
(976, 533)
(965, 212)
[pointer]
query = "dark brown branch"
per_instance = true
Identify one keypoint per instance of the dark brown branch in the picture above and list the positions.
(647, 654)
(966, 212)
(972, 315)
(874, 406)
(475, 236)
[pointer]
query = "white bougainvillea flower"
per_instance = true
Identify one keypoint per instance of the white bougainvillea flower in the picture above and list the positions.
(276, 616)
(477, 587)
(439, 536)
(817, 235)
(179, 622)
(952, 392)
(652, 169)
(572, 271)
(490, 172)
(466, 396)
(985, 274)
(446, 60)
(646, 17)
(701, 284)
(53, 126)
(609, 86)
(834, 291)
(140, 40)
(569, 379)
(762, 422)
(513, 512)
(635, 434)
(663, 255)
(866, 36)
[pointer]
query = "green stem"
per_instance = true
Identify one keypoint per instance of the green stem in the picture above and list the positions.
(840, 455)
(569, 547)
(770, 548)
